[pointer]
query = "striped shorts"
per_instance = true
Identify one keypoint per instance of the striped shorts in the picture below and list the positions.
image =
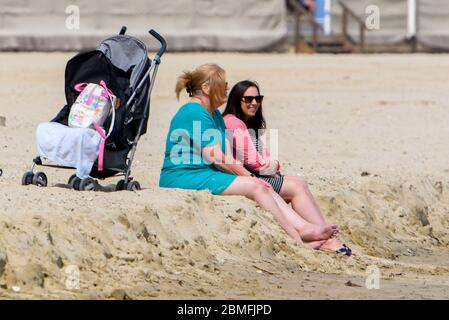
(276, 181)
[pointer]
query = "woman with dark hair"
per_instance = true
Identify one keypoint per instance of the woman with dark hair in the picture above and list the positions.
(196, 158)
(243, 116)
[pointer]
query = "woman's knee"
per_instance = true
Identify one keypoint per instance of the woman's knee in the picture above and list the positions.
(258, 187)
(300, 184)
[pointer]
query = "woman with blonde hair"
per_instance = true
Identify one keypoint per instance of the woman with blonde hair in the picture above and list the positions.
(195, 155)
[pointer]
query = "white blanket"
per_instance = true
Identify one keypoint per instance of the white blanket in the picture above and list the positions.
(74, 147)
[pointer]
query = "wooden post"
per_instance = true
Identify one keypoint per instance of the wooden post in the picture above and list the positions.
(300, 43)
(297, 32)
(344, 25)
(362, 38)
(347, 39)
(414, 44)
(415, 39)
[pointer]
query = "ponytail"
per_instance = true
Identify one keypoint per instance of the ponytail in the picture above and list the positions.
(192, 81)
(184, 82)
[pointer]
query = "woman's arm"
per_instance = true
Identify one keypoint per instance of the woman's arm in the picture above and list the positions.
(270, 168)
(223, 162)
(246, 151)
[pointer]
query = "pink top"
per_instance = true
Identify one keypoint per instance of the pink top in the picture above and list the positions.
(243, 147)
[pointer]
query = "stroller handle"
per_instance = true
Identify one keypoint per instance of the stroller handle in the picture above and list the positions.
(161, 40)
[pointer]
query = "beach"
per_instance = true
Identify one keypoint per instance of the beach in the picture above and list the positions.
(367, 132)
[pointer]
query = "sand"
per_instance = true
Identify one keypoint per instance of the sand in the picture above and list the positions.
(369, 134)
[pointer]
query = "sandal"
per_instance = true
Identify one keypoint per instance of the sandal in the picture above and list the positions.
(345, 250)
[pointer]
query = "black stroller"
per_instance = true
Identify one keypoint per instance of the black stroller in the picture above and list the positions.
(122, 62)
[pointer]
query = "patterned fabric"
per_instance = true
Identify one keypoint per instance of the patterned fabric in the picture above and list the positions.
(92, 105)
(277, 180)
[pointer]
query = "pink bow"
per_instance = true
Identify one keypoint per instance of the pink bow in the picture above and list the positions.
(79, 87)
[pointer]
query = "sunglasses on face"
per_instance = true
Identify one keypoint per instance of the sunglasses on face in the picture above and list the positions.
(249, 99)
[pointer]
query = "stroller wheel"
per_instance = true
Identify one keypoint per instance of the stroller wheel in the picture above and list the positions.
(74, 182)
(87, 184)
(1, 172)
(27, 178)
(40, 179)
(72, 177)
(120, 185)
(133, 186)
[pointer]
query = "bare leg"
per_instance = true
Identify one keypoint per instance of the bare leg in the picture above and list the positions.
(298, 228)
(296, 220)
(296, 191)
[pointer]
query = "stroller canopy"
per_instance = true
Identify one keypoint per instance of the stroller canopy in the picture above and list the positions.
(127, 53)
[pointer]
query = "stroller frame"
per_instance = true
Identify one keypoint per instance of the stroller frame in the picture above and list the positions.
(40, 179)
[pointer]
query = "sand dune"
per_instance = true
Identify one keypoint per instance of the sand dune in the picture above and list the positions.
(369, 133)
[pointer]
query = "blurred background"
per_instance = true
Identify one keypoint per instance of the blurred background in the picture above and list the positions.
(336, 26)
(369, 133)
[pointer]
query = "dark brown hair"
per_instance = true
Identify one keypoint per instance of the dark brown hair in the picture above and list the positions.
(234, 105)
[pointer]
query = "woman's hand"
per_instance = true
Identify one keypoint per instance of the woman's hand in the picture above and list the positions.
(270, 168)
(266, 184)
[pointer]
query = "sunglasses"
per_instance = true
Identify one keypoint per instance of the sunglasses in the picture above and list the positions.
(249, 99)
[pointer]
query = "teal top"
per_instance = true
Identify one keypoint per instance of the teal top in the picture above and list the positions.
(191, 129)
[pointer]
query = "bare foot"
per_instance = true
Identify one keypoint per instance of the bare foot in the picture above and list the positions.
(332, 244)
(312, 232)
(315, 244)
